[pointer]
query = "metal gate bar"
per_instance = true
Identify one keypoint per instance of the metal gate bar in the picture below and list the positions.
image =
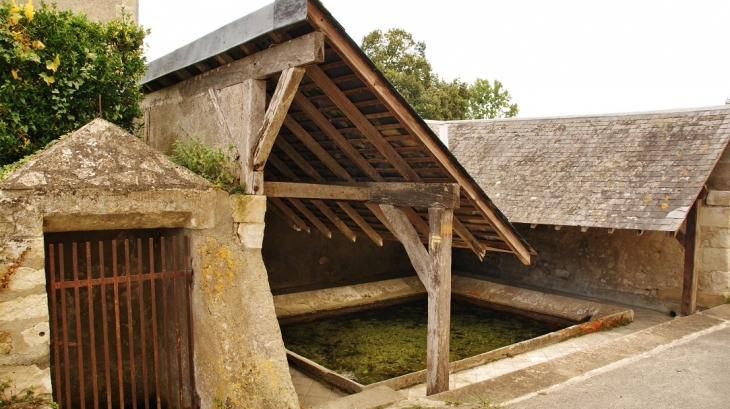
(72, 375)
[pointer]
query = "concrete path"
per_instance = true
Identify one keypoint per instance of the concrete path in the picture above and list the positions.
(695, 374)
(684, 363)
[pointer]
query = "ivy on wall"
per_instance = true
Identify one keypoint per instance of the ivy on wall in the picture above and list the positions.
(55, 69)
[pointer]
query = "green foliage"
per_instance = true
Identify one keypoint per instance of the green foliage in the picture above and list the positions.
(56, 64)
(490, 101)
(7, 170)
(403, 61)
(485, 402)
(25, 395)
(215, 165)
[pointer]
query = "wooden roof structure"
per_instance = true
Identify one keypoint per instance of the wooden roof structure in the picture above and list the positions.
(346, 125)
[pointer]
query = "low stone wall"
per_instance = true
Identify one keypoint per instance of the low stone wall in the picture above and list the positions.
(98, 10)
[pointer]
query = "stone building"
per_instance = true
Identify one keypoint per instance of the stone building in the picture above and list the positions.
(608, 202)
(103, 187)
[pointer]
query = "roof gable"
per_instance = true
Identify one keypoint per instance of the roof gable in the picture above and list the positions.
(101, 155)
(629, 171)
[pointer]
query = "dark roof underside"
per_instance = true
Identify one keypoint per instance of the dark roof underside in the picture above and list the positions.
(366, 153)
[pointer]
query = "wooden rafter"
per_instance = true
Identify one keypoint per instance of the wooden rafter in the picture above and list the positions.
(362, 123)
(289, 213)
(318, 203)
(324, 124)
(381, 90)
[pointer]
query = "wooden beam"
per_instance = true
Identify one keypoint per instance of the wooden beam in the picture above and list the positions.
(469, 238)
(254, 109)
(691, 261)
(439, 300)
(416, 220)
(274, 117)
(317, 149)
(407, 235)
(414, 126)
(322, 206)
(363, 124)
(393, 193)
(313, 173)
(277, 212)
(311, 217)
(289, 213)
(326, 126)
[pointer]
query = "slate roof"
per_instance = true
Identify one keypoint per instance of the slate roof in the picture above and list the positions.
(101, 155)
(627, 171)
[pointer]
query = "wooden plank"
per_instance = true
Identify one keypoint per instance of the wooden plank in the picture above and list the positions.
(407, 235)
(366, 228)
(322, 206)
(326, 126)
(469, 238)
(691, 261)
(393, 193)
(300, 52)
(318, 203)
(362, 123)
(420, 225)
(378, 213)
(414, 127)
(254, 108)
(317, 149)
(289, 213)
(283, 217)
(300, 161)
(275, 114)
(439, 300)
(311, 217)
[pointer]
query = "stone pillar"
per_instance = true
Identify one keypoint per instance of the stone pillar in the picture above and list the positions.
(714, 269)
(240, 360)
(24, 321)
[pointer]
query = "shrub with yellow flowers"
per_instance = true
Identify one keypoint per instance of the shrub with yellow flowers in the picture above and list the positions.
(54, 67)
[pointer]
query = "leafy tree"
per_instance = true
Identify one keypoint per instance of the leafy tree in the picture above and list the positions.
(490, 101)
(54, 67)
(403, 61)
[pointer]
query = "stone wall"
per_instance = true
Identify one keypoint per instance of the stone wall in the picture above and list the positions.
(24, 322)
(301, 261)
(643, 270)
(99, 10)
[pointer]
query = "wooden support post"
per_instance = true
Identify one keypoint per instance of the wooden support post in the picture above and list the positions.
(691, 261)
(439, 300)
(433, 267)
(254, 109)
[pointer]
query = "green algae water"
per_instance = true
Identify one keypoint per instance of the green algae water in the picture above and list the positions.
(374, 345)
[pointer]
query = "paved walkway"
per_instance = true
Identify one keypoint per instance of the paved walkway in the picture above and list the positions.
(693, 374)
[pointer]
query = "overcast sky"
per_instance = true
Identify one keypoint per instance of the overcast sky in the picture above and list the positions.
(557, 57)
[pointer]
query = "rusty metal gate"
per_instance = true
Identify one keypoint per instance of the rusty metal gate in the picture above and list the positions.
(121, 324)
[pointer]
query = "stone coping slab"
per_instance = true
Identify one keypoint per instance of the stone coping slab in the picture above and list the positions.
(586, 317)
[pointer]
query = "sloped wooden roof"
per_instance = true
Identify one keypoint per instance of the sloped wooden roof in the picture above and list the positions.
(346, 124)
(100, 155)
(628, 171)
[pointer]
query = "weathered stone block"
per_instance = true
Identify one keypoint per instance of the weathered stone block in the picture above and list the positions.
(248, 208)
(718, 198)
(26, 278)
(714, 217)
(25, 377)
(251, 235)
(38, 334)
(32, 306)
(715, 237)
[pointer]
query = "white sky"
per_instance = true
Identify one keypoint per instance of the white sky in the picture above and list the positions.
(557, 57)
